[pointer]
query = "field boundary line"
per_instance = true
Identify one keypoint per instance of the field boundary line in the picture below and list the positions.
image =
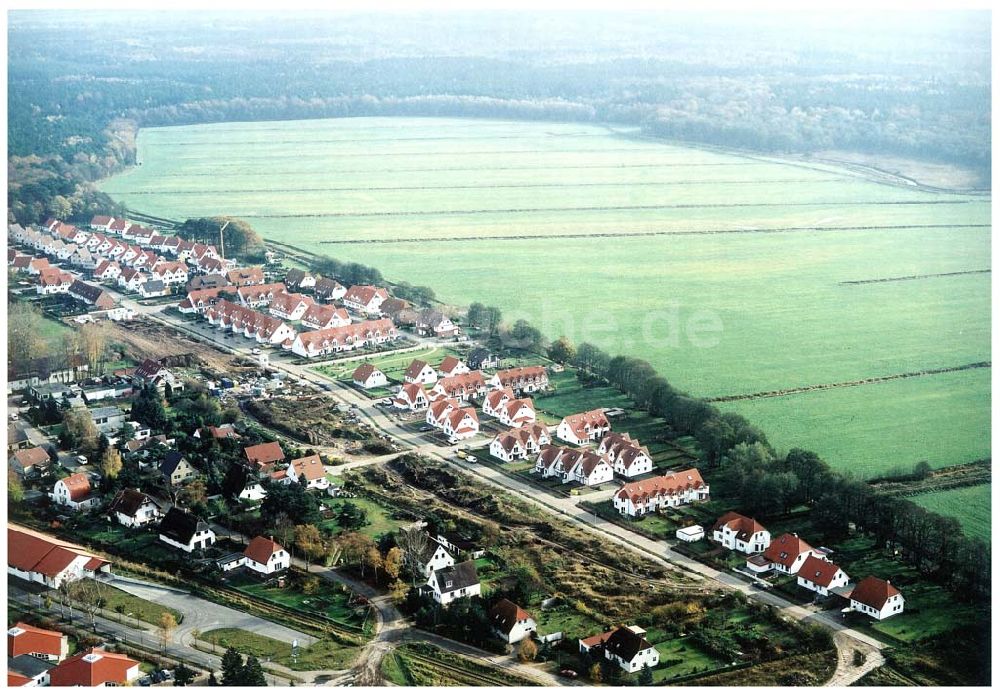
(846, 384)
(681, 232)
(915, 277)
(601, 208)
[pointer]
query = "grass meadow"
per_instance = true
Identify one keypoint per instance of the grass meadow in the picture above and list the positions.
(972, 503)
(725, 270)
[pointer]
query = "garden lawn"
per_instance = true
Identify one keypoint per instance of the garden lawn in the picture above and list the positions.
(379, 520)
(146, 611)
(325, 654)
(736, 287)
(679, 657)
(330, 599)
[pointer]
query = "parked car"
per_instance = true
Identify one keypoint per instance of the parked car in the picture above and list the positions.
(156, 677)
(145, 681)
(14, 416)
(81, 460)
(166, 674)
(426, 428)
(471, 459)
(255, 351)
(568, 673)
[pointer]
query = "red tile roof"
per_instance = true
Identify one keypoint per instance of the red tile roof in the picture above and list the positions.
(33, 552)
(449, 363)
(818, 570)
(261, 549)
(95, 667)
(16, 680)
(784, 549)
(579, 422)
(309, 467)
(873, 592)
(28, 639)
(78, 485)
(262, 454)
(744, 526)
(672, 483)
(363, 372)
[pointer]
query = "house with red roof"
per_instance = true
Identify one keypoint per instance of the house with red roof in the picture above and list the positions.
(256, 295)
(289, 306)
(787, 552)
(107, 271)
(520, 442)
(459, 424)
(264, 556)
(517, 413)
(95, 667)
(74, 491)
(495, 400)
(463, 387)
(29, 461)
(309, 472)
(344, 338)
(320, 316)
(42, 559)
(264, 455)
(583, 428)
(329, 290)
(439, 410)
(512, 622)
(740, 533)
(247, 276)
(521, 379)
(628, 457)
(642, 497)
(877, 598)
(365, 299)
(410, 397)
(820, 575)
(419, 372)
(101, 222)
(170, 272)
(452, 366)
(48, 645)
(368, 376)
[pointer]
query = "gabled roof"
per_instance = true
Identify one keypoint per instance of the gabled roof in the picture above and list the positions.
(580, 421)
(462, 576)
(744, 526)
(92, 668)
(507, 614)
(626, 642)
(35, 456)
(363, 372)
(27, 639)
(238, 478)
(129, 501)
(364, 294)
(261, 549)
(410, 392)
(322, 314)
(78, 486)
(34, 552)
(181, 525)
(263, 454)
(873, 592)
(672, 483)
(817, 570)
(171, 461)
(413, 371)
(309, 467)
(785, 548)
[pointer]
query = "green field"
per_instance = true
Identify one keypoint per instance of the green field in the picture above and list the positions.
(970, 504)
(735, 289)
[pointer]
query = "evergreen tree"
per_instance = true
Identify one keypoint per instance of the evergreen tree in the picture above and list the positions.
(232, 667)
(183, 676)
(646, 676)
(252, 673)
(212, 680)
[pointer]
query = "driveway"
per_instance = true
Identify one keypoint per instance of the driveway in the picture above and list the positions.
(203, 615)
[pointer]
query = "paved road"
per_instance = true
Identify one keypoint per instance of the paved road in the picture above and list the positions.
(566, 507)
(203, 615)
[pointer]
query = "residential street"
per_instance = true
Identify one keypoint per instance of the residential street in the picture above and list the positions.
(846, 639)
